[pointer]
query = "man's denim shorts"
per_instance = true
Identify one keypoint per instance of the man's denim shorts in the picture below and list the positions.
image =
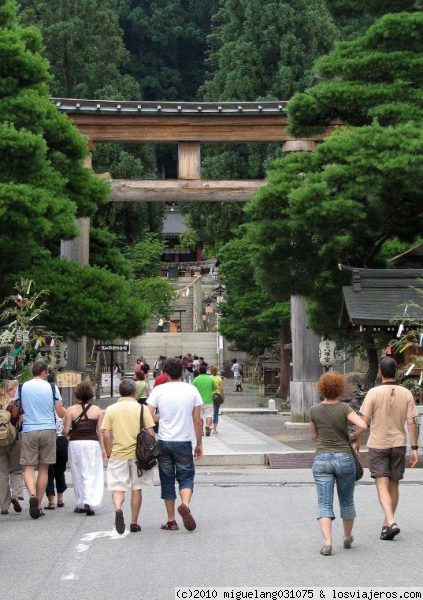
(176, 463)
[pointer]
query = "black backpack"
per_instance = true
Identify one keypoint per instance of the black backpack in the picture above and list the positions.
(147, 451)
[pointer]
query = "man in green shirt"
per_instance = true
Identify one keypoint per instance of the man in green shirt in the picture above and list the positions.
(206, 386)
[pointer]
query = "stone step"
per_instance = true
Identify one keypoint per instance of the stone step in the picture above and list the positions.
(150, 345)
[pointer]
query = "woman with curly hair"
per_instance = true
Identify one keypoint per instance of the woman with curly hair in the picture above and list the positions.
(83, 422)
(333, 462)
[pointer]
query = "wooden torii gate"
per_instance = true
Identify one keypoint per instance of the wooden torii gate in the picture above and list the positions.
(189, 125)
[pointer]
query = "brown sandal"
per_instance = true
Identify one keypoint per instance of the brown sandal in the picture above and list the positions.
(170, 526)
(187, 518)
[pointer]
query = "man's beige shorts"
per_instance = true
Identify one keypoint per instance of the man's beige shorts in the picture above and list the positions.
(122, 476)
(207, 411)
(38, 447)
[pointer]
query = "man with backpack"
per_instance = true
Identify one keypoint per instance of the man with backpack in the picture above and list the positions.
(122, 420)
(39, 402)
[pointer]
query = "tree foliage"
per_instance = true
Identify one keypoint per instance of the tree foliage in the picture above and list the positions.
(43, 186)
(257, 51)
(22, 313)
(352, 8)
(361, 189)
(266, 50)
(129, 221)
(340, 204)
(91, 62)
(43, 183)
(84, 44)
(89, 301)
(378, 75)
(167, 42)
(157, 293)
(250, 316)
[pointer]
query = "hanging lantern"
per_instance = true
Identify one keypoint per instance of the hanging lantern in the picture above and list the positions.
(327, 352)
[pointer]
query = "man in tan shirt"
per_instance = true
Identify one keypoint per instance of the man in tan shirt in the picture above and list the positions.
(389, 408)
(122, 420)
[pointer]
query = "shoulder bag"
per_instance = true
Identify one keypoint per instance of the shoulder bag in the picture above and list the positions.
(344, 438)
(147, 449)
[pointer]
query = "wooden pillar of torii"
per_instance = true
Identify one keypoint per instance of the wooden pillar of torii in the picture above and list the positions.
(78, 250)
(305, 343)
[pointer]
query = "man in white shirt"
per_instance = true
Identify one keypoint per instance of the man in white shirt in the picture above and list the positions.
(236, 370)
(179, 407)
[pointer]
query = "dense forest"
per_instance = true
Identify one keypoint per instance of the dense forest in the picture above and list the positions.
(358, 61)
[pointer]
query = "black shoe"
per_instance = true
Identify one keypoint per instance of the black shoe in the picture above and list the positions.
(207, 431)
(4, 512)
(134, 528)
(388, 533)
(16, 506)
(119, 522)
(88, 510)
(34, 508)
(79, 511)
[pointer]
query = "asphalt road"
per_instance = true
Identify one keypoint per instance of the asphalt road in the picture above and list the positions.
(256, 527)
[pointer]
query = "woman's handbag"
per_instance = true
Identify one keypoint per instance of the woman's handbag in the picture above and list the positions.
(359, 472)
(217, 399)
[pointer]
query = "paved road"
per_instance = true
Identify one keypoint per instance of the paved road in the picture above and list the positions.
(255, 527)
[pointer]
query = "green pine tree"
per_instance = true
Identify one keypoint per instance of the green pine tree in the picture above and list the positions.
(43, 186)
(360, 191)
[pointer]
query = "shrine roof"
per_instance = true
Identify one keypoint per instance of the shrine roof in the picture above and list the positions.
(379, 297)
(72, 105)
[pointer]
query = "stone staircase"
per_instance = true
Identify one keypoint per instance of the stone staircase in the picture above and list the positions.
(150, 345)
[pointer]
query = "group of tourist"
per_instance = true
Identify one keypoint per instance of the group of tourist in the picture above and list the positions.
(50, 434)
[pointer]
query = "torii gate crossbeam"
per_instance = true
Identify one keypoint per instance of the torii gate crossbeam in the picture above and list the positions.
(188, 124)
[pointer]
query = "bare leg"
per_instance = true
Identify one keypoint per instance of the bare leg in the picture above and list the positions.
(29, 478)
(348, 525)
(209, 422)
(325, 524)
(385, 499)
(42, 480)
(136, 500)
(394, 492)
(186, 494)
(170, 509)
(118, 499)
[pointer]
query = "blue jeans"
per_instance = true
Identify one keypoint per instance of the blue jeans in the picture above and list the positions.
(216, 409)
(176, 462)
(328, 468)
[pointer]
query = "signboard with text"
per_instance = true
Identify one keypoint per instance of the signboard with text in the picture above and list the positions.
(112, 347)
(68, 379)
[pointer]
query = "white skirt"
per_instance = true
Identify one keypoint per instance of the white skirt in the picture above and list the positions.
(86, 466)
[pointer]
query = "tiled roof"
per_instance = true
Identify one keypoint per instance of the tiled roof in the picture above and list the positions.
(70, 105)
(378, 297)
(173, 224)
